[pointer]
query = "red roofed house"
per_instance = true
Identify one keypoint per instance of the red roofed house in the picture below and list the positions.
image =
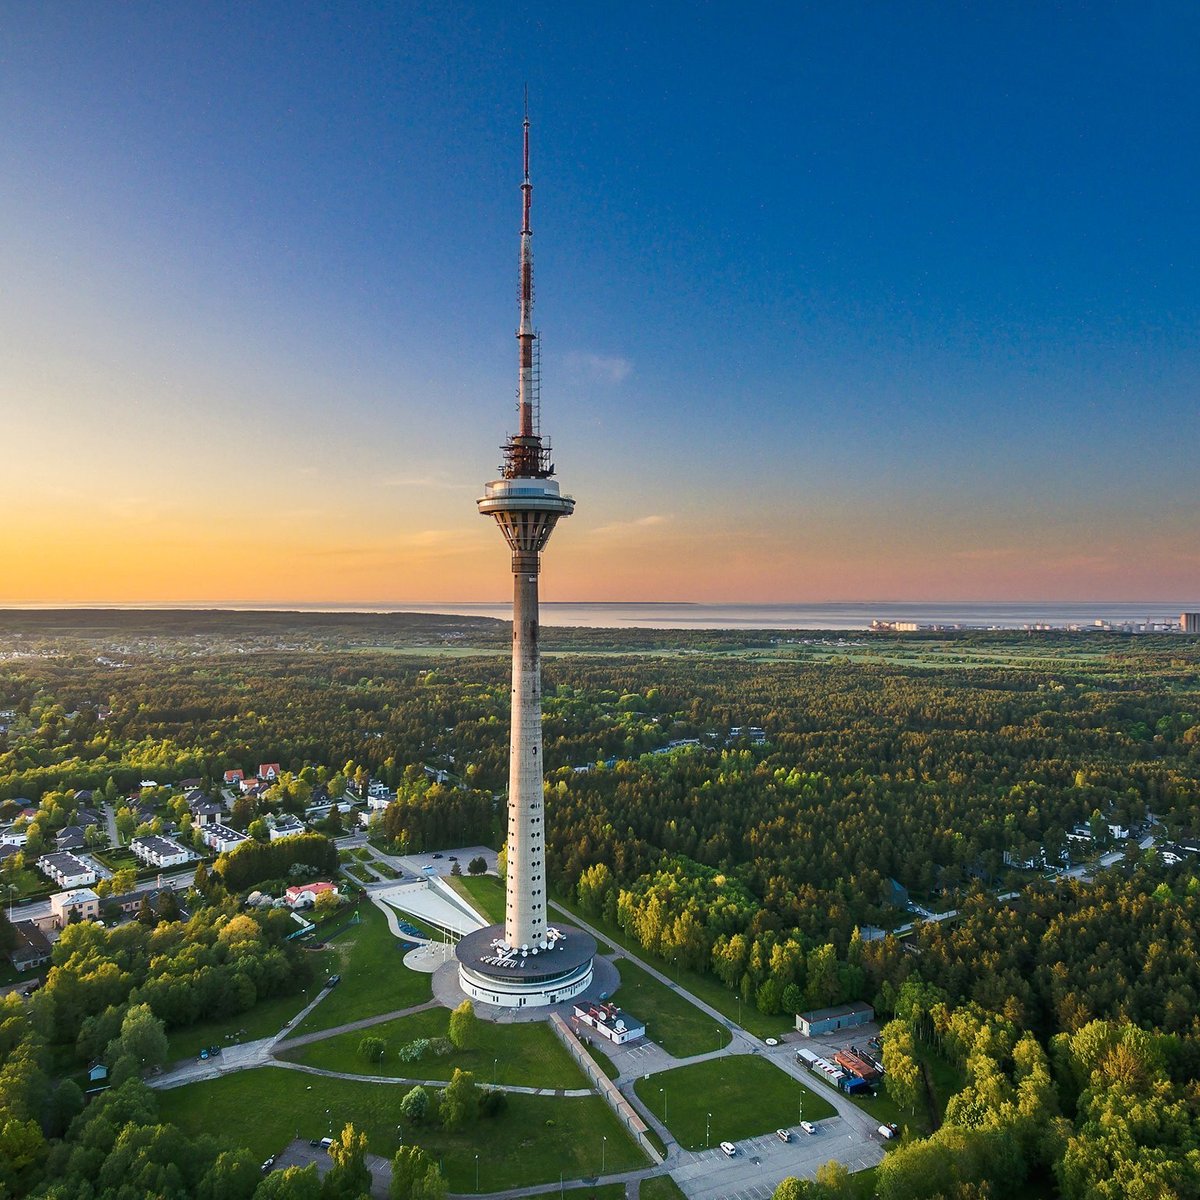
(235, 776)
(305, 895)
(268, 771)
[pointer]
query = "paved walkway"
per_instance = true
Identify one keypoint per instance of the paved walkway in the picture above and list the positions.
(320, 1035)
(515, 1088)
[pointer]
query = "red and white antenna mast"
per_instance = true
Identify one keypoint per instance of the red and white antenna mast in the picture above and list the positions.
(525, 456)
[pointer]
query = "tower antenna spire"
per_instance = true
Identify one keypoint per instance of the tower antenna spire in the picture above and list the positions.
(525, 455)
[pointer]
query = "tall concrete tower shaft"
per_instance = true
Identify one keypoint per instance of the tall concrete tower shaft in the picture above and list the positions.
(526, 504)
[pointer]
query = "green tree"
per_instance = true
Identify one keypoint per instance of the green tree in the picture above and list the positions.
(409, 1169)
(143, 1038)
(372, 1049)
(292, 1183)
(460, 1101)
(415, 1105)
(348, 1179)
(463, 1030)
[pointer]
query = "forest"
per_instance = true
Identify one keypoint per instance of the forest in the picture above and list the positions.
(918, 766)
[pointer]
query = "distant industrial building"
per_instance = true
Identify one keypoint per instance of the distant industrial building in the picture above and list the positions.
(828, 1020)
(1189, 622)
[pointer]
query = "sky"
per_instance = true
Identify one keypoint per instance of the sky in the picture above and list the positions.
(840, 302)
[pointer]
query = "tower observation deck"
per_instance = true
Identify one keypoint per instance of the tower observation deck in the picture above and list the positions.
(526, 961)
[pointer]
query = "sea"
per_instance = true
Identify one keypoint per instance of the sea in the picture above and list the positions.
(847, 616)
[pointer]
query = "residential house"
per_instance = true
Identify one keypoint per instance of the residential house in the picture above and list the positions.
(130, 903)
(70, 837)
(32, 947)
(13, 837)
(235, 776)
(269, 772)
(379, 803)
(305, 895)
(284, 825)
(221, 838)
(81, 901)
(157, 851)
(66, 870)
(205, 811)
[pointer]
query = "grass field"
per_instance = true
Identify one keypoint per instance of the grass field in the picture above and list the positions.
(660, 1187)
(675, 1023)
(534, 1139)
(525, 1054)
(261, 1021)
(374, 977)
(485, 893)
(745, 1094)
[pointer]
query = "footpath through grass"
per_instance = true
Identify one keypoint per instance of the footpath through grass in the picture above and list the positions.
(745, 1094)
(531, 1142)
(675, 1023)
(263, 1020)
(374, 977)
(528, 1055)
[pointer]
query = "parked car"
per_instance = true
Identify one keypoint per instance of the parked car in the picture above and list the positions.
(728, 1149)
(784, 1135)
(326, 1143)
(808, 1127)
(268, 1164)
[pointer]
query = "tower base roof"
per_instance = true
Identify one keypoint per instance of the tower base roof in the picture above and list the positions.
(483, 953)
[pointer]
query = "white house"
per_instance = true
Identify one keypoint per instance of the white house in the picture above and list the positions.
(221, 838)
(157, 851)
(13, 837)
(66, 870)
(379, 803)
(284, 825)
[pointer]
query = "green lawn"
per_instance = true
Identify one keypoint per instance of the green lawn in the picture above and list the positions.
(746, 1095)
(675, 1023)
(374, 977)
(534, 1139)
(660, 1187)
(527, 1054)
(485, 893)
(261, 1021)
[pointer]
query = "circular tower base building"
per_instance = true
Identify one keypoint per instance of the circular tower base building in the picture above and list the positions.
(492, 972)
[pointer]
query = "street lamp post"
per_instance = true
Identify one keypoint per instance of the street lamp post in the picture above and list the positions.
(603, 1148)
(707, 1134)
(477, 1172)
(663, 1094)
(495, 1066)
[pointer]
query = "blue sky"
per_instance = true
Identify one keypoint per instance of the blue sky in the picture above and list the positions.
(837, 302)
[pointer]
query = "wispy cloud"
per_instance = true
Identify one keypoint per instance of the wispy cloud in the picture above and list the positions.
(647, 522)
(607, 368)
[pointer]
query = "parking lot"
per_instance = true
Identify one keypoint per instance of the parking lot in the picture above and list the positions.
(762, 1163)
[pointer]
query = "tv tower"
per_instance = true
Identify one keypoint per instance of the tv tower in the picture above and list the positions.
(527, 961)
